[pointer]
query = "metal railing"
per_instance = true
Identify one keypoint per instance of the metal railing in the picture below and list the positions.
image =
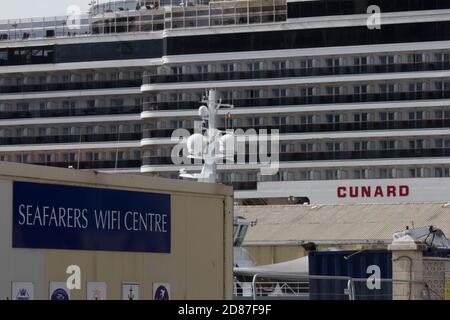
(322, 127)
(71, 112)
(86, 85)
(306, 100)
(298, 72)
(266, 286)
(327, 156)
(71, 138)
(97, 164)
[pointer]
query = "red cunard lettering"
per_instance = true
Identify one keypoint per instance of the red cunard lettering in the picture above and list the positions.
(366, 192)
(375, 192)
(378, 192)
(354, 192)
(391, 191)
(404, 191)
(341, 192)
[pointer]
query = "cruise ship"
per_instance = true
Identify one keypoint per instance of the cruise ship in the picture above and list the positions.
(361, 98)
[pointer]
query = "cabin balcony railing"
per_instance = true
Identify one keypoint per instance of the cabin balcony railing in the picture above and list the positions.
(296, 73)
(331, 156)
(71, 112)
(323, 127)
(306, 100)
(99, 164)
(26, 88)
(73, 138)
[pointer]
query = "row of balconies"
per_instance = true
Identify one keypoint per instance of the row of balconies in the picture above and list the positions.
(331, 156)
(94, 85)
(71, 138)
(388, 60)
(248, 181)
(85, 165)
(71, 112)
(307, 118)
(54, 77)
(295, 73)
(325, 127)
(305, 100)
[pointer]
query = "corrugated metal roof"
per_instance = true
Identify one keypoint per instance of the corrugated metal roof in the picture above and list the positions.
(340, 223)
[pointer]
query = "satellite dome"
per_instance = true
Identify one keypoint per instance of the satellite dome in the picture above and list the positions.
(196, 144)
(227, 144)
(203, 112)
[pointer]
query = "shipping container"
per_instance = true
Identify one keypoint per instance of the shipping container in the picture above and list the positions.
(437, 253)
(370, 265)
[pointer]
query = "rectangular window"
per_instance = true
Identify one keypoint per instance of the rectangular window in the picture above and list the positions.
(117, 102)
(227, 67)
(361, 145)
(253, 66)
(202, 68)
(331, 174)
(387, 116)
(137, 102)
(332, 62)
(23, 107)
(114, 76)
(176, 70)
(279, 65)
(387, 145)
(360, 61)
(416, 144)
(90, 104)
(304, 64)
(66, 104)
(137, 75)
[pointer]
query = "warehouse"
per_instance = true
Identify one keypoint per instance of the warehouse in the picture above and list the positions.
(126, 237)
(285, 232)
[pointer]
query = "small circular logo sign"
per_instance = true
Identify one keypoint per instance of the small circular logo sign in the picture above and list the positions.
(60, 294)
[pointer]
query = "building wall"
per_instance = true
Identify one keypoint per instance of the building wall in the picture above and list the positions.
(436, 271)
(198, 267)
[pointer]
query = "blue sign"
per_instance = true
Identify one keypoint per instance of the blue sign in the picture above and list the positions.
(49, 216)
(59, 294)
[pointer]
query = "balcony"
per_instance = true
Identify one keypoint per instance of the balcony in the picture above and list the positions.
(98, 164)
(94, 85)
(306, 100)
(245, 185)
(330, 156)
(325, 127)
(297, 73)
(50, 139)
(72, 112)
